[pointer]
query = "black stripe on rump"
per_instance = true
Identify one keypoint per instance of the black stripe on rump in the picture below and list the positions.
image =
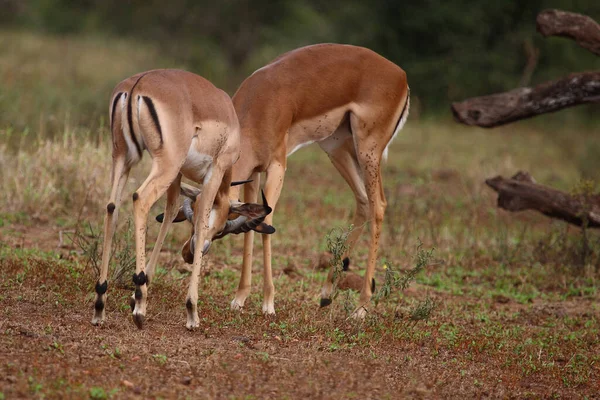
(403, 110)
(150, 106)
(114, 106)
(129, 118)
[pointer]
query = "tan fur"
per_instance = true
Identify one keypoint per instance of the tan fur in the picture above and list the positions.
(347, 99)
(200, 140)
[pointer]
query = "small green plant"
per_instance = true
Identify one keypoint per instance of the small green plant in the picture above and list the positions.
(98, 393)
(583, 191)
(396, 281)
(263, 356)
(422, 310)
(161, 359)
(90, 244)
(337, 244)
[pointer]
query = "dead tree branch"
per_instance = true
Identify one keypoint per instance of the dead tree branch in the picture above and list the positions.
(522, 193)
(502, 108)
(581, 28)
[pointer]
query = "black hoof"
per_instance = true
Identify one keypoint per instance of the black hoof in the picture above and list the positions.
(139, 320)
(325, 302)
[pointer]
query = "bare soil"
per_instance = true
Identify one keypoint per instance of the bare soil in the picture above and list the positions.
(49, 349)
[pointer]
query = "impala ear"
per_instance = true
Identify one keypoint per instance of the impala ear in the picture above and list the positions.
(264, 228)
(250, 210)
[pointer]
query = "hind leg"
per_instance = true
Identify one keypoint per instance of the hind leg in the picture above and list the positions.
(161, 177)
(120, 172)
(370, 146)
(343, 157)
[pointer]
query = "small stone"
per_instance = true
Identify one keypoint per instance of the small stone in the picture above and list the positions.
(127, 383)
(11, 378)
(135, 358)
(238, 356)
(137, 390)
(186, 380)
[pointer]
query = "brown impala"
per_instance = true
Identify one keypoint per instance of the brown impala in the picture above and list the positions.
(190, 129)
(349, 100)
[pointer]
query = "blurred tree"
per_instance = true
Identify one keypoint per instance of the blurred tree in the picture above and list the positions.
(450, 50)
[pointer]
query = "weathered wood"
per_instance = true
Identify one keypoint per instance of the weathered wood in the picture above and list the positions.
(502, 108)
(521, 192)
(581, 28)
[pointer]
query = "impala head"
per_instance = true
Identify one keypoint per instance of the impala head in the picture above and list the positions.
(242, 218)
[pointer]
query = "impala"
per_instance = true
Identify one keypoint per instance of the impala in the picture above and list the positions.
(190, 129)
(350, 101)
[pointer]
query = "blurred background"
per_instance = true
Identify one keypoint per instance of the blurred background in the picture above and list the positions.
(59, 59)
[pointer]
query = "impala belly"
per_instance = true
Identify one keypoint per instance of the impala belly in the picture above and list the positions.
(310, 130)
(197, 165)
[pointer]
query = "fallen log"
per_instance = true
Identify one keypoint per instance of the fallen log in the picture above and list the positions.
(502, 108)
(521, 192)
(581, 28)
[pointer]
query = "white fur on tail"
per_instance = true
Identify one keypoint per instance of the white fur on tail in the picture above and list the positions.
(401, 123)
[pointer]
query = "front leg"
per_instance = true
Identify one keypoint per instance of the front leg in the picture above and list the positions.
(273, 186)
(202, 216)
(243, 291)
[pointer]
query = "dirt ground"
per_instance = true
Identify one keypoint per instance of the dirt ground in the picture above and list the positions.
(49, 349)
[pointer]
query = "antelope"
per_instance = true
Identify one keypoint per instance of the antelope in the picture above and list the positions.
(349, 100)
(190, 129)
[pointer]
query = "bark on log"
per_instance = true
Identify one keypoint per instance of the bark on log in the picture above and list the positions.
(581, 28)
(502, 108)
(522, 193)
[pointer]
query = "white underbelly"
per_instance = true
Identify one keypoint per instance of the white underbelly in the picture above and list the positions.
(197, 166)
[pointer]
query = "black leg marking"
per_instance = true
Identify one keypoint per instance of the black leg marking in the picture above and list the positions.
(325, 302)
(135, 196)
(372, 285)
(189, 305)
(101, 289)
(114, 106)
(346, 264)
(99, 305)
(154, 115)
(110, 208)
(140, 279)
(138, 293)
(132, 304)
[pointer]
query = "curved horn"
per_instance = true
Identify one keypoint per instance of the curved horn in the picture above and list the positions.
(187, 209)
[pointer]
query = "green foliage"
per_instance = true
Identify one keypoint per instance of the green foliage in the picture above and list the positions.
(337, 244)
(396, 280)
(450, 50)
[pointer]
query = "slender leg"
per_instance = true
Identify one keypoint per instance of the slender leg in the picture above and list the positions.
(344, 160)
(202, 211)
(273, 186)
(369, 156)
(243, 291)
(170, 212)
(162, 175)
(119, 175)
